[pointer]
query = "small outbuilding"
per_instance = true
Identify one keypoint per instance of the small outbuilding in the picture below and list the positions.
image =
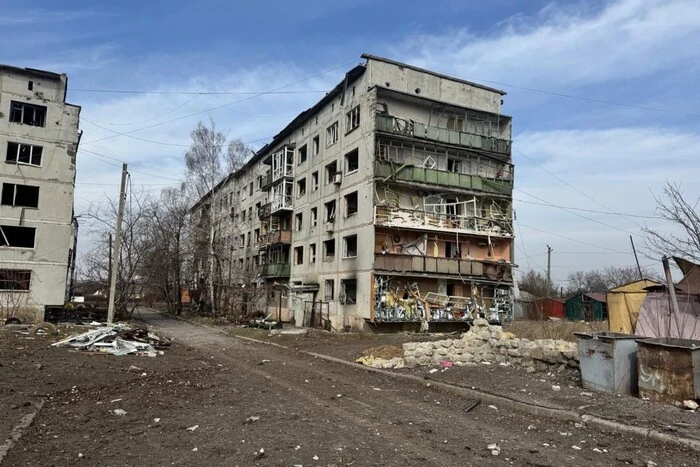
(624, 303)
(587, 307)
(549, 307)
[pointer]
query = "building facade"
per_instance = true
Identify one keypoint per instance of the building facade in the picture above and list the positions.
(390, 200)
(38, 140)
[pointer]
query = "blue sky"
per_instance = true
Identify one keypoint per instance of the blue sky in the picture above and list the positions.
(579, 151)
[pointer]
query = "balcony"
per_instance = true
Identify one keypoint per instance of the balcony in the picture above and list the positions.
(266, 181)
(399, 126)
(421, 220)
(399, 263)
(281, 203)
(264, 211)
(277, 269)
(276, 237)
(413, 174)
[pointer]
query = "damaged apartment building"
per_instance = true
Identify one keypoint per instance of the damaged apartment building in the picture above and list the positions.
(389, 200)
(38, 141)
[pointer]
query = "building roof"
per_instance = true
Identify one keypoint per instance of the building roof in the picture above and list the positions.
(637, 286)
(440, 75)
(598, 297)
(690, 284)
(31, 71)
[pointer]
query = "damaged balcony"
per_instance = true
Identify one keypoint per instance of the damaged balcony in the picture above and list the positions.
(388, 216)
(411, 174)
(282, 163)
(276, 237)
(281, 197)
(430, 265)
(390, 124)
(277, 270)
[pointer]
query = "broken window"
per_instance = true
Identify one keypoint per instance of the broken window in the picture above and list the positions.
(454, 165)
(329, 286)
(18, 153)
(350, 246)
(314, 181)
(332, 134)
(330, 211)
(299, 255)
(20, 195)
(260, 181)
(298, 222)
(243, 216)
(250, 189)
(301, 187)
(451, 250)
(352, 119)
(455, 123)
(351, 204)
(352, 161)
(331, 170)
(15, 279)
(27, 114)
(312, 253)
(314, 217)
(15, 236)
(349, 291)
(329, 249)
(302, 154)
(315, 145)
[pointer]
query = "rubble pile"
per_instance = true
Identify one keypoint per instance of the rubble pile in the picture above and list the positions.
(116, 340)
(489, 344)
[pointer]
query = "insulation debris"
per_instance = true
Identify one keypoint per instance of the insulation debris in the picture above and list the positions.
(116, 340)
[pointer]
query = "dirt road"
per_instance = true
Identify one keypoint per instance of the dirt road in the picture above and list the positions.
(216, 400)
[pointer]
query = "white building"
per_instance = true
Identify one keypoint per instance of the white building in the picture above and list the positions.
(38, 141)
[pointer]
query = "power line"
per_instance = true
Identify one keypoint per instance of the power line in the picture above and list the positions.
(574, 240)
(583, 209)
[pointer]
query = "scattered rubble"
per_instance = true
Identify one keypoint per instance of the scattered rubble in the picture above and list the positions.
(690, 405)
(116, 340)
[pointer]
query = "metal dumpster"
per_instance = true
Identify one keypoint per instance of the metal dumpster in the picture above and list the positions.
(608, 361)
(669, 369)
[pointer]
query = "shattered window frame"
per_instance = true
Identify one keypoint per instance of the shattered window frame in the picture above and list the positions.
(24, 154)
(15, 280)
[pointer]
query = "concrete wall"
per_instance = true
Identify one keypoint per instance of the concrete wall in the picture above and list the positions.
(55, 177)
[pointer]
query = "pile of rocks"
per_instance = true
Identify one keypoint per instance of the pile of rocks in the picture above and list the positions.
(487, 343)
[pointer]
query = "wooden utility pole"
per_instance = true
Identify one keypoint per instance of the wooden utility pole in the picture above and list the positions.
(549, 266)
(117, 246)
(672, 295)
(634, 250)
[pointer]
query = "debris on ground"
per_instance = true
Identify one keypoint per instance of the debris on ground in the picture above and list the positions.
(119, 412)
(116, 340)
(690, 405)
(494, 448)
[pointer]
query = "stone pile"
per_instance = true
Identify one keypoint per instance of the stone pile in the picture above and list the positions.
(487, 343)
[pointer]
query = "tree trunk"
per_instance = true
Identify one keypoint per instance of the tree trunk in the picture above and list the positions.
(211, 260)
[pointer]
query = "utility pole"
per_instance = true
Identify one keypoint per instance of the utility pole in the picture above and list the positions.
(549, 266)
(117, 246)
(634, 250)
(672, 296)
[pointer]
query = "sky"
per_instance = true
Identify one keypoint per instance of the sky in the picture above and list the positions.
(602, 93)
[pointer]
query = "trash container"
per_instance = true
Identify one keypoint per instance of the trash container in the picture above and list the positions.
(669, 369)
(608, 361)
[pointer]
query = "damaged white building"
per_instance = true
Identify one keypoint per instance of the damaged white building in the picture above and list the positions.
(38, 141)
(388, 201)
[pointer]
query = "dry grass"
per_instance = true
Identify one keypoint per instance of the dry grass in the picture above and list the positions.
(383, 351)
(560, 329)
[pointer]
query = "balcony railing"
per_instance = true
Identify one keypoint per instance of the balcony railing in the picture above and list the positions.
(422, 220)
(392, 262)
(410, 173)
(391, 124)
(277, 269)
(264, 211)
(281, 203)
(266, 181)
(283, 237)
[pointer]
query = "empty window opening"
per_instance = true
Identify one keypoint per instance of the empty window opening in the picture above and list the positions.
(330, 211)
(298, 222)
(328, 288)
(451, 250)
(352, 119)
(332, 134)
(349, 292)
(315, 145)
(351, 204)
(352, 161)
(329, 249)
(312, 253)
(350, 247)
(454, 165)
(30, 85)
(314, 181)
(20, 195)
(18, 153)
(331, 170)
(301, 187)
(19, 237)
(455, 123)
(299, 255)
(314, 217)
(15, 279)
(27, 114)
(250, 189)
(302, 154)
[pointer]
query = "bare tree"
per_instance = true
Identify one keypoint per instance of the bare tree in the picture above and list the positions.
(537, 284)
(683, 236)
(602, 280)
(14, 292)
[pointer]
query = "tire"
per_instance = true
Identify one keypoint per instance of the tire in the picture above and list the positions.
(46, 327)
(13, 320)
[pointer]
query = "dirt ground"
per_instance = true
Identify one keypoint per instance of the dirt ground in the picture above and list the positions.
(216, 400)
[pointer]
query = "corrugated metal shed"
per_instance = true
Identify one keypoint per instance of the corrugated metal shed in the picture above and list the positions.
(550, 307)
(624, 303)
(587, 307)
